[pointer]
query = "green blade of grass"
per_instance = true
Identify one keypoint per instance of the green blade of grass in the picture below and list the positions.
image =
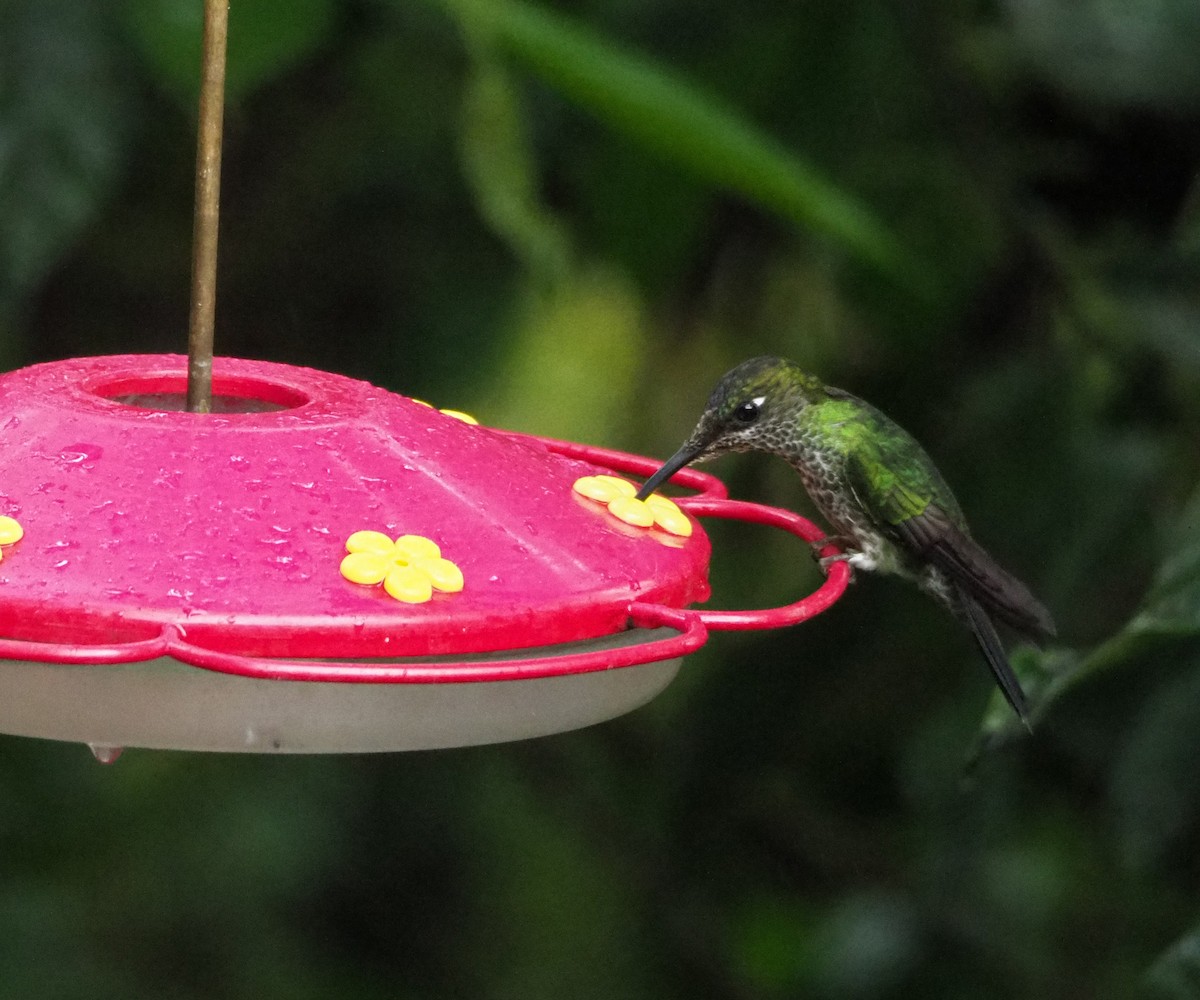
(681, 123)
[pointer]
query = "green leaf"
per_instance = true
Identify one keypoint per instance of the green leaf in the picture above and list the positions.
(1154, 785)
(1122, 54)
(1173, 603)
(62, 124)
(1170, 612)
(266, 39)
(500, 167)
(1176, 974)
(684, 125)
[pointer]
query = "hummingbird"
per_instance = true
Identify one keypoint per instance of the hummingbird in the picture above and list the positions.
(890, 508)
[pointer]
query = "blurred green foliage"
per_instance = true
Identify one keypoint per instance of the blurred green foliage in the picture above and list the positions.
(570, 218)
(267, 38)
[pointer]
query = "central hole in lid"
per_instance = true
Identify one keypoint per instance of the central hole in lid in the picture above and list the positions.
(168, 391)
(177, 402)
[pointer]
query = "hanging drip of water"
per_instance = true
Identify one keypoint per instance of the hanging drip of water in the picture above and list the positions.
(104, 753)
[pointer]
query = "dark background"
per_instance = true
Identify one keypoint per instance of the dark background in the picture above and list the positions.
(570, 220)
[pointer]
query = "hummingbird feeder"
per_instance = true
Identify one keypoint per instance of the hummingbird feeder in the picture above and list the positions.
(247, 556)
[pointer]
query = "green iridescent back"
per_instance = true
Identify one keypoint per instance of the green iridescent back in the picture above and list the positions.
(888, 472)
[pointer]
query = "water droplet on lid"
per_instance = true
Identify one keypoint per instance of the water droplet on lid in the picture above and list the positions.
(74, 454)
(104, 753)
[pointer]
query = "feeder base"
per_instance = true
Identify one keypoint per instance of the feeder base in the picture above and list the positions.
(168, 705)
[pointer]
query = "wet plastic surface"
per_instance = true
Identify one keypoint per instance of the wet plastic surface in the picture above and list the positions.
(232, 526)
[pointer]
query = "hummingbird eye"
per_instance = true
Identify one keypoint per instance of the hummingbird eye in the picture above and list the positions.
(748, 412)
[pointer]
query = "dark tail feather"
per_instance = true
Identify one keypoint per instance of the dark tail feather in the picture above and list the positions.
(989, 644)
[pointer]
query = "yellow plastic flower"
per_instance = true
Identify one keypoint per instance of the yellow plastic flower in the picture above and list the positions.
(410, 568)
(466, 418)
(10, 530)
(620, 497)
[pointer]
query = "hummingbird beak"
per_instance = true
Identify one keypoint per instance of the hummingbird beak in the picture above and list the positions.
(684, 456)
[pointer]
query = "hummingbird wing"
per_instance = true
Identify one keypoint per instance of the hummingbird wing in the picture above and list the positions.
(934, 537)
(914, 507)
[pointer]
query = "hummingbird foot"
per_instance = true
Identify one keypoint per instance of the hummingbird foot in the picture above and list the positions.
(847, 557)
(844, 542)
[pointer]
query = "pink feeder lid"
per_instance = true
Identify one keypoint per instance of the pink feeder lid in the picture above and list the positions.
(157, 541)
(231, 526)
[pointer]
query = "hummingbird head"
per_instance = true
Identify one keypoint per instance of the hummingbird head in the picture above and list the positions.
(752, 408)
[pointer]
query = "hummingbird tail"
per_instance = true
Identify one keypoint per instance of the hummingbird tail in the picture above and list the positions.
(989, 644)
